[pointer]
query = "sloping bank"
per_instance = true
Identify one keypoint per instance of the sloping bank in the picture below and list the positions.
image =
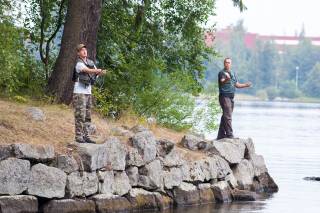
(144, 173)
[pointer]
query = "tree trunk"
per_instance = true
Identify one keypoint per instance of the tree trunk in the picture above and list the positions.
(82, 23)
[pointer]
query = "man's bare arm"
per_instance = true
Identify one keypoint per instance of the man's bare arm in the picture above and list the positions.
(91, 71)
(244, 85)
(225, 79)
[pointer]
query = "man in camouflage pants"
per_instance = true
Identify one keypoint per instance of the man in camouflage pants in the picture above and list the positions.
(84, 71)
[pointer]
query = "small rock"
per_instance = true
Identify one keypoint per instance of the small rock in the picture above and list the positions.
(243, 195)
(172, 159)
(133, 175)
(81, 185)
(111, 203)
(93, 156)
(18, 204)
(186, 194)
(191, 141)
(6, 152)
(312, 178)
(91, 128)
(134, 158)
(37, 153)
(222, 192)
(116, 154)
(14, 176)
(47, 182)
(66, 163)
(121, 183)
(164, 147)
(36, 113)
(106, 182)
(172, 178)
(120, 131)
(139, 128)
(69, 206)
(146, 144)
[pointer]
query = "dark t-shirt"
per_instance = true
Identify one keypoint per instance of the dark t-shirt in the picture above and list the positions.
(228, 88)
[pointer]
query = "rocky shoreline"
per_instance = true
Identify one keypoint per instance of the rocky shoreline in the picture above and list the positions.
(143, 173)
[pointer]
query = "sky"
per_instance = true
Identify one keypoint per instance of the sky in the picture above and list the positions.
(271, 17)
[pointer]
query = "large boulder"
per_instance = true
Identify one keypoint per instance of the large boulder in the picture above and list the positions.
(18, 204)
(70, 206)
(244, 173)
(146, 144)
(206, 193)
(186, 194)
(37, 153)
(172, 159)
(47, 182)
(232, 150)
(142, 200)
(121, 183)
(82, 184)
(164, 147)
(133, 174)
(153, 173)
(191, 141)
(116, 156)
(93, 156)
(66, 163)
(134, 158)
(172, 177)
(259, 165)
(111, 203)
(249, 150)
(5, 151)
(264, 183)
(106, 182)
(14, 176)
(222, 192)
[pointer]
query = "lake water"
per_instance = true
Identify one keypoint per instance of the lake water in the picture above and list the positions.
(288, 136)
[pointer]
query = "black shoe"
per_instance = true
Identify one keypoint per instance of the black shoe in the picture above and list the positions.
(88, 140)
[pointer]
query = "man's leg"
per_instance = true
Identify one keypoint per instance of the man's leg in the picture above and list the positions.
(227, 114)
(79, 116)
(88, 100)
(221, 132)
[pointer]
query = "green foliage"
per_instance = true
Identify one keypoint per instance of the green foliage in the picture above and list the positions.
(272, 93)
(288, 89)
(155, 51)
(311, 85)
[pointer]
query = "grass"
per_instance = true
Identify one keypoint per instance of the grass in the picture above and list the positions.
(16, 126)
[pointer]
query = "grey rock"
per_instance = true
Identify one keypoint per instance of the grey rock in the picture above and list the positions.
(172, 178)
(66, 163)
(93, 156)
(259, 165)
(264, 183)
(91, 128)
(116, 156)
(206, 193)
(69, 206)
(231, 180)
(134, 158)
(111, 203)
(5, 152)
(191, 141)
(106, 182)
(153, 171)
(82, 184)
(36, 114)
(46, 181)
(146, 144)
(244, 173)
(172, 159)
(18, 204)
(164, 147)
(243, 195)
(249, 150)
(14, 176)
(133, 174)
(231, 150)
(186, 194)
(142, 200)
(121, 183)
(222, 192)
(38, 153)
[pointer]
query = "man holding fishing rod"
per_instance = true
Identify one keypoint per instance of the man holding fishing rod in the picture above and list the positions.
(228, 82)
(84, 76)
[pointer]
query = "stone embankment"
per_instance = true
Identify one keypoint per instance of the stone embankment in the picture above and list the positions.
(144, 173)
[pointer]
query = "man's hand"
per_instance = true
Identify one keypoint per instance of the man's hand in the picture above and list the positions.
(227, 76)
(248, 84)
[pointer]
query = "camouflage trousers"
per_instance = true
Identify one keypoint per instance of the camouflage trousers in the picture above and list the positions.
(82, 104)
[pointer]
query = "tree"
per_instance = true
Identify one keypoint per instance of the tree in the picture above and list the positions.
(81, 26)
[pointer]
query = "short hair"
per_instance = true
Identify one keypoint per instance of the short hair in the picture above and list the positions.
(227, 58)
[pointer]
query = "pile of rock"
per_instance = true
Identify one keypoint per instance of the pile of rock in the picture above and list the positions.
(148, 174)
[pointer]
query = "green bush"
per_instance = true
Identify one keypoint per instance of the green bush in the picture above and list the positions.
(272, 93)
(288, 89)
